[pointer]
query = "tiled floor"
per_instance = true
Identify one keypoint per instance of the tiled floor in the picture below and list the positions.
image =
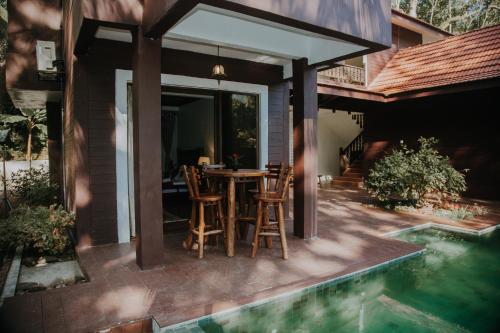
(350, 239)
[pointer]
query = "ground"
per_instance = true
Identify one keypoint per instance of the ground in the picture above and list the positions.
(351, 238)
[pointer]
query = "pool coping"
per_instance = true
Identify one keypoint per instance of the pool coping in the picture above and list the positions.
(445, 227)
(338, 279)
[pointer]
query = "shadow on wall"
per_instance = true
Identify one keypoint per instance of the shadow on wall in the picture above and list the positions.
(29, 21)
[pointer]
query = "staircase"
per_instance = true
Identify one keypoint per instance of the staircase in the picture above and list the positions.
(352, 176)
(353, 157)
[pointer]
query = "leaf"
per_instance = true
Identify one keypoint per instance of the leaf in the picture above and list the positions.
(42, 128)
(10, 119)
(28, 112)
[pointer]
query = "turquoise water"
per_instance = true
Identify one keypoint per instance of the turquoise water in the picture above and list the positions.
(453, 287)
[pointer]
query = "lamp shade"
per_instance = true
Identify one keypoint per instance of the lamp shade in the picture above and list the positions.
(203, 160)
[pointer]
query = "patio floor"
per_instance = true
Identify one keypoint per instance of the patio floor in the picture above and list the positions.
(350, 239)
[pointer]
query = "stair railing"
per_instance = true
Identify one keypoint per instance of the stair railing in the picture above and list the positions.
(354, 149)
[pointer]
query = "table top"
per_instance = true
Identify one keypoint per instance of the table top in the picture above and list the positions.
(239, 173)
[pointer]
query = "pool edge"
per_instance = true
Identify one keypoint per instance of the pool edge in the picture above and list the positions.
(158, 329)
(445, 227)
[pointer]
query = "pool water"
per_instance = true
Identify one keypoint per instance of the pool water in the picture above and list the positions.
(453, 287)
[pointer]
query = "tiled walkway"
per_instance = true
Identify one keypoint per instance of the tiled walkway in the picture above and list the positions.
(350, 239)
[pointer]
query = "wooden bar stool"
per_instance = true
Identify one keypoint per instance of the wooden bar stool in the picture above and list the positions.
(197, 225)
(264, 201)
(272, 183)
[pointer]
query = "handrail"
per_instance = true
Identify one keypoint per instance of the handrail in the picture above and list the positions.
(355, 148)
(346, 74)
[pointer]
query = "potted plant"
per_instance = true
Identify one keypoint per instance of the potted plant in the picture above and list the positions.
(235, 161)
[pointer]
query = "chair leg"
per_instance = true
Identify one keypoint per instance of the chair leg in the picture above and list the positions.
(256, 237)
(269, 239)
(220, 213)
(192, 225)
(281, 225)
(201, 231)
(245, 231)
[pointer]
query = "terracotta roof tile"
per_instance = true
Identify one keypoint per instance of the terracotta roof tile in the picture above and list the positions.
(468, 57)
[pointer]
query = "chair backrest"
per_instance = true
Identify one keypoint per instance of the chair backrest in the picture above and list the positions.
(284, 181)
(192, 179)
(273, 177)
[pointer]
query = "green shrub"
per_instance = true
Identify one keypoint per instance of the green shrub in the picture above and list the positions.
(413, 177)
(44, 229)
(32, 187)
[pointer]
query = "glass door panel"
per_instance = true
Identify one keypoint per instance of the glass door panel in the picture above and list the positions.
(239, 130)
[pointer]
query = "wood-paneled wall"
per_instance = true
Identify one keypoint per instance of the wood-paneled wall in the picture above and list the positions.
(462, 122)
(90, 123)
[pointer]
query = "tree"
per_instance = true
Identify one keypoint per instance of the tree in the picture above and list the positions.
(413, 8)
(455, 16)
(33, 120)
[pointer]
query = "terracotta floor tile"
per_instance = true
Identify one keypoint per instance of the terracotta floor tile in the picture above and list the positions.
(350, 239)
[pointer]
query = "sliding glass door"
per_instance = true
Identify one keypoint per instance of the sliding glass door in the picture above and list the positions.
(239, 127)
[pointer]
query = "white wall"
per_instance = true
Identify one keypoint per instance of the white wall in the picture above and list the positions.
(15, 166)
(335, 130)
(196, 126)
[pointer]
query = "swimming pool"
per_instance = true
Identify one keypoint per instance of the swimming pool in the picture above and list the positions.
(453, 287)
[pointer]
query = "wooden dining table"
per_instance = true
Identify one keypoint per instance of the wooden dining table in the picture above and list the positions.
(231, 177)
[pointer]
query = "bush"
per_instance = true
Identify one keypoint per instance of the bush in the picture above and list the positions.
(413, 177)
(32, 187)
(44, 229)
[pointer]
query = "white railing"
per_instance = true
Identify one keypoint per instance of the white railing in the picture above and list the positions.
(345, 74)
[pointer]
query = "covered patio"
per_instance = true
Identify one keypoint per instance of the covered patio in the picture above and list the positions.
(119, 292)
(268, 50)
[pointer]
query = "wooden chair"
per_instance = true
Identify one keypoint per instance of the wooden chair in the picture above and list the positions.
(264, 200)
(272, 183)
(197, 225)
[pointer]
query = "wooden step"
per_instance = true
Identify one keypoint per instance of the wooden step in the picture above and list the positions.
(347, 183)
(347, 178)
(353, 174)
(357, 170)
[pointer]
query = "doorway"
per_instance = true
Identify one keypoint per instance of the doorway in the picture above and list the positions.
(203, 125)
(190, 86)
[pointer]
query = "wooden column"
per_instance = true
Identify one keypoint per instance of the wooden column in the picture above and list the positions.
(305, 115)
(54, 142)
(147, 150)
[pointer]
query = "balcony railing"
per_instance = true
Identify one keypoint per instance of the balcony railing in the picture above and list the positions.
(345, 74)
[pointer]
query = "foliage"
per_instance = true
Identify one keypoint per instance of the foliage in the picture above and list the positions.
(44, 229)
(455, 16)
(33, 187)
(243, 127)
(412, 176)
(27, 128)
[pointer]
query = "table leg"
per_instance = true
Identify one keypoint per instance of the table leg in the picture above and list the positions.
(231, 213)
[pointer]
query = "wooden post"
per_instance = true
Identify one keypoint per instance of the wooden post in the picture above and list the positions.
(305, 115)
(54, 142)
(147, 150)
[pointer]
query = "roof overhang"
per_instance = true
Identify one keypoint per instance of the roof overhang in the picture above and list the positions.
(347, 93)
(323, 31)
(215, 26)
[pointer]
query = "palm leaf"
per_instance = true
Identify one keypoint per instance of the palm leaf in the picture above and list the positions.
(42, 128)
(10, 118)
(28, 112)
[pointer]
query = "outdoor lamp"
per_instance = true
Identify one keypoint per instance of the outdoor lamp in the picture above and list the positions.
(203, 160)
(218, 71)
